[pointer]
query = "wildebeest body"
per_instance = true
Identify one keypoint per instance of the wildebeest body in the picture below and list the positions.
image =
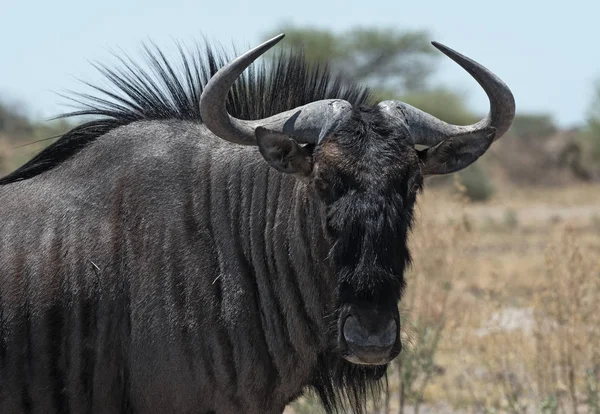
(220, 268)
(150, 263)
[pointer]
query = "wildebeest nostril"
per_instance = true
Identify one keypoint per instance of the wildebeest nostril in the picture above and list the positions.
(356, 334)
(353, 332)
(388, 337)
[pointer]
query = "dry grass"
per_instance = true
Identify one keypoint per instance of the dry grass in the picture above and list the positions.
(501, 313)
(521, 318)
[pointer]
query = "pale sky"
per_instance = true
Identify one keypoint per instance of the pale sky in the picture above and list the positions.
(546, 51)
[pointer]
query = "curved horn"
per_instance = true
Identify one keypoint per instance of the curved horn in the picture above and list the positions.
(307, 124)
(429, 130)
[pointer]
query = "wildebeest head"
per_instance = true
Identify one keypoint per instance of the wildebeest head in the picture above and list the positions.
(362, 164)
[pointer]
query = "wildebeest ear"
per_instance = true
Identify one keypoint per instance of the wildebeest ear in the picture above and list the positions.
(283, 153)
(456, 153)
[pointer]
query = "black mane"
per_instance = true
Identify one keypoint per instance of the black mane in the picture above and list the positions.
(165, 91)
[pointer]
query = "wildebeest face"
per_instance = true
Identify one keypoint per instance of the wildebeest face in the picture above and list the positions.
(367, 174)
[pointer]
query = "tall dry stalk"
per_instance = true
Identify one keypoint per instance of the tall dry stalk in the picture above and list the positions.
(568, 318)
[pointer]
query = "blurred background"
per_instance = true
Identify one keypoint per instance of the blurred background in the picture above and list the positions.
(501, 313)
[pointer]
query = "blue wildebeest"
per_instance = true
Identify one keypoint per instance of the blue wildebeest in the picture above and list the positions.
(213, 246)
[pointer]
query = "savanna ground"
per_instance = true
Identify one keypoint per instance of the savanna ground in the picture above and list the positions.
(501, 312)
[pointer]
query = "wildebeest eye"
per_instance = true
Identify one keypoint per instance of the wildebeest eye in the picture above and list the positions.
(322, 188)
(321, 185)
(326, 191)
(413, 188)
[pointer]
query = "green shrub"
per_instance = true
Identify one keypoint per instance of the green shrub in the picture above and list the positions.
(591, 132)
(475, 183)
(590, 139)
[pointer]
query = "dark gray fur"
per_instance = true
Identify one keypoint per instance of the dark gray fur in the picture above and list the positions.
(188, 291)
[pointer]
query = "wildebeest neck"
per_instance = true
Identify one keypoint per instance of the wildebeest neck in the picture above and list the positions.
(272, 249)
